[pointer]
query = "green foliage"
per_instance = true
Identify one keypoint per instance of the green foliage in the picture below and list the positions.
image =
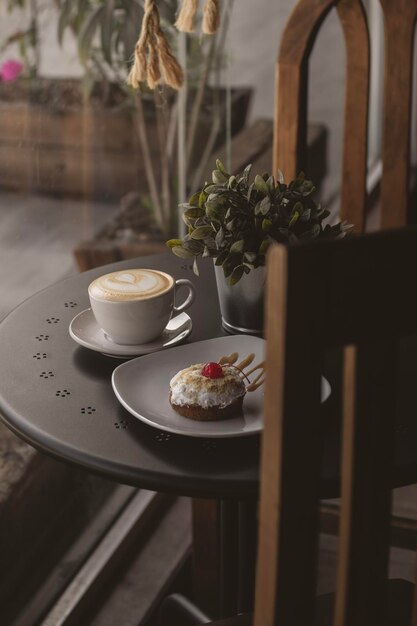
(234, 220)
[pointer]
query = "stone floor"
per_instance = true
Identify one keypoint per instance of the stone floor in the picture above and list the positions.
(37, 237)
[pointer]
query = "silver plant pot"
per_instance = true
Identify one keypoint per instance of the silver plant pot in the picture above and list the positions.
(242, 305)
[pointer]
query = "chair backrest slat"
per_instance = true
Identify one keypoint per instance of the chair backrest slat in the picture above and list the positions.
(288, 532)
(355, 142)
(290, 119)
(400, 19)
(310, 309)
(367, 450)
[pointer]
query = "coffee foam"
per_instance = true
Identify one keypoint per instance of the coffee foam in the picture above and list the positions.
(134, 284)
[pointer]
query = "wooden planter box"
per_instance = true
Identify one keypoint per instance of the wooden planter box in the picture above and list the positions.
(51, 143)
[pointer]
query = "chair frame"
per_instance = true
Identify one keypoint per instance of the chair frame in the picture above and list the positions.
(353, 294)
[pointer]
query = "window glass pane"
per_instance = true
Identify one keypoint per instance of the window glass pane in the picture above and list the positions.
(89, 168)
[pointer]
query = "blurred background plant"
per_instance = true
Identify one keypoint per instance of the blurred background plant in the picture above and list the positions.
(189, 125)
(27, 38)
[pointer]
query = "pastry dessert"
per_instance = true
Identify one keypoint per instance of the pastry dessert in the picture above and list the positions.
(208, 391)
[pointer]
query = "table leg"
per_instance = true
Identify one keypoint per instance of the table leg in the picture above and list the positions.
(229, 557)
(224, 555)
(206, 555)
(248, 531)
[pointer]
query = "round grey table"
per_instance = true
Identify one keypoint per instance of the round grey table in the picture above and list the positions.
(57, 396)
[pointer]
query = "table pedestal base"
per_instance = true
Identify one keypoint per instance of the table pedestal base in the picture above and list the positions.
(224, 555)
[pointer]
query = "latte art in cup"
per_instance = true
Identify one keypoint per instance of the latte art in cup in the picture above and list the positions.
(124, 285)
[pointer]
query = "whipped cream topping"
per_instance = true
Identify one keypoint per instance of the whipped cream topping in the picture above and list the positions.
(190, 387)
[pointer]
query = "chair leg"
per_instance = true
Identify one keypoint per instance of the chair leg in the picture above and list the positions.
(177, 610)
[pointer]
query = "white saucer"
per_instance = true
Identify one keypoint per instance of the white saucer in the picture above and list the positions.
(85, 331)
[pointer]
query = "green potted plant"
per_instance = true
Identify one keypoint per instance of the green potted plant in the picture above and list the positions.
(234, 221)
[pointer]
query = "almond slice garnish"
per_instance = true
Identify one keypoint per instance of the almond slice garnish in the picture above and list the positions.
(248, 360)
(229, 360)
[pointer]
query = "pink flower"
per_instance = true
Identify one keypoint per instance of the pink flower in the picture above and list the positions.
(10, 70)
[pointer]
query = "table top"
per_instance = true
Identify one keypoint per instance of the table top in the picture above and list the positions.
(58, 397)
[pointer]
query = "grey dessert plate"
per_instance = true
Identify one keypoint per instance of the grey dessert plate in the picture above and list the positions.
(142, 387)
(85, 331)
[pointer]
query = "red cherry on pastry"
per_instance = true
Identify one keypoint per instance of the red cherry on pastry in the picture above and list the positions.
(212, 370)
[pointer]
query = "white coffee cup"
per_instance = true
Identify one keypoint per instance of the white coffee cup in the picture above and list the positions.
(133, 306)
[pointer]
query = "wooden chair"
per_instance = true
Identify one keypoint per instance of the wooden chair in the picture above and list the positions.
(353, 294)
(291, 102)
(356, 294)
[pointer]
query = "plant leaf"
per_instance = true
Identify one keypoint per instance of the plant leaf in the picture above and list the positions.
(65, 16)
(265, 205)
(195, 247)
(294, 218)
(251, 187)
(246, 173)
(201, 199)
(232, 261)
(237, 247)
(232, 183)
(214, 188)
(107, 29)
(182, 252)
(264, 246)
(218, 177)
(222, 168)
(250, 256)
(172, 243)
(193, 201)
(220, 259)
(219, 237)
(236, 275)
(87, 32)
(305, 217)
(261, 185)
(194, 212)
(201, 232)
(271, 184)
(129, 29)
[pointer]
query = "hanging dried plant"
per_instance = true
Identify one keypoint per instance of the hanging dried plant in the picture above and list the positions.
(211, 16)
(153, 57)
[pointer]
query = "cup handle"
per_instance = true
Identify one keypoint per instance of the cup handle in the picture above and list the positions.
(191, 296)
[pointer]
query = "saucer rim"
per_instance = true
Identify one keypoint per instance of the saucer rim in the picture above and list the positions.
(131, 350)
